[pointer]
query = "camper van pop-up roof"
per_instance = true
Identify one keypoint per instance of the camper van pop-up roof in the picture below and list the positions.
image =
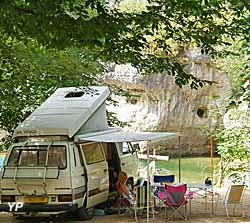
(68, 111)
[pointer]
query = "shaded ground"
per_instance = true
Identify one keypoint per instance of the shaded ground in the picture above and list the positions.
(199, 214)
(126, 219)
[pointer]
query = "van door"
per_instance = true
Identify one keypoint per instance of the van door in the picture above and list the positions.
(129, 159)
(97, 173)
(114, 164)
(78, 174)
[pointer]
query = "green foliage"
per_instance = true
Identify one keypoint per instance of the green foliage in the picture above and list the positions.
(233, 144)
(126, 37)
(237, 66)
(30, 73)
(233, 148)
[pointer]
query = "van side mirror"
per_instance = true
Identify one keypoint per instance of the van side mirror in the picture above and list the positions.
(136, 148)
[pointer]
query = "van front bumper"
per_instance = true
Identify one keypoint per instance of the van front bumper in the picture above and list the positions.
(41, 208)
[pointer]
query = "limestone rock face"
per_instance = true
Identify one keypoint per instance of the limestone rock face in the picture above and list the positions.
(158, 104)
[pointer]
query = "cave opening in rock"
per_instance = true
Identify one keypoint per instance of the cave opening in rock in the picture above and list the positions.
(202, 112)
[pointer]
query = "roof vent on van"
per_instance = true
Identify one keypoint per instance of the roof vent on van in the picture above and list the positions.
(76, 94)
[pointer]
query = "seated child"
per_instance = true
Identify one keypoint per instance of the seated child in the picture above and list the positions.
(123, 188)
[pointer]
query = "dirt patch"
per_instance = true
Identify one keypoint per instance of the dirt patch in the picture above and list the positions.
(200, 213)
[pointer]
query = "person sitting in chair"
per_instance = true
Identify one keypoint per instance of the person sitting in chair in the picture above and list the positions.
(125, 190)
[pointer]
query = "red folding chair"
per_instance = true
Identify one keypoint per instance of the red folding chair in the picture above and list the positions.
(176, 201)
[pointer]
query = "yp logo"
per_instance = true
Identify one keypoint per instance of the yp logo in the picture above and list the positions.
(17, 205)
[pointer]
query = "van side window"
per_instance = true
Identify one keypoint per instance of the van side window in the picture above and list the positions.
(77, 156)
(80, 155)
(93, 153)
(74, 155)
(125, 148)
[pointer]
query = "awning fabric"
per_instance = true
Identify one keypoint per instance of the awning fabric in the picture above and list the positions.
(128, 136)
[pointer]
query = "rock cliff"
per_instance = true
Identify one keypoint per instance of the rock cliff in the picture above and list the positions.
(157, 104)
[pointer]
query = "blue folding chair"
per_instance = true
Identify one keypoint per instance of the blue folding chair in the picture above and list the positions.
(160, 191)
(163, 179)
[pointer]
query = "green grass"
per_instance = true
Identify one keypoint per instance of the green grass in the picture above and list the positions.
(193, 170)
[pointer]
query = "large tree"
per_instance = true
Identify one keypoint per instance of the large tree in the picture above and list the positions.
(45, 44)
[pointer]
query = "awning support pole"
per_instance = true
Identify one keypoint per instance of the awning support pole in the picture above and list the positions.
(148, 191)
(179, 159)
(212, 166)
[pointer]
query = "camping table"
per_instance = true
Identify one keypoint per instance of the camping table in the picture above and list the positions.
(203, 191)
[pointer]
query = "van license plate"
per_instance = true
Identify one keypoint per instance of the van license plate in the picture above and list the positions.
(36, 199)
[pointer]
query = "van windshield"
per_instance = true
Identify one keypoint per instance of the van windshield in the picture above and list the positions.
(38, 156)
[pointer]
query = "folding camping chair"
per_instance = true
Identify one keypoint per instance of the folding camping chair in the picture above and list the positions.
(176, 201)
(159, 189)
(234, 196)
(123, 203)
(137, 202)
(163, 179)
(141, 200)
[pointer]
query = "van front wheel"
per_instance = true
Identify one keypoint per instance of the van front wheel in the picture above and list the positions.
(85, 213)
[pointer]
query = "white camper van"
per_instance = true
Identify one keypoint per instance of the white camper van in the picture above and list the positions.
(65, 157)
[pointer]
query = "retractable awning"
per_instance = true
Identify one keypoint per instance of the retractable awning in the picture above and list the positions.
(127, 136)
(114, 135)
